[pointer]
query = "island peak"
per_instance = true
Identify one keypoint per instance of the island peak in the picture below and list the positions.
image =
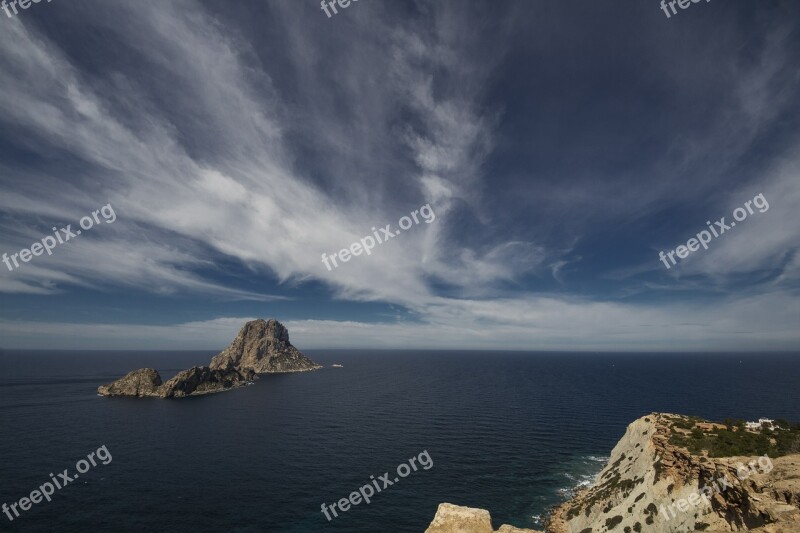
(261, 347)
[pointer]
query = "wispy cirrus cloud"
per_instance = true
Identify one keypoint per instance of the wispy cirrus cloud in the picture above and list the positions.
(222, 146)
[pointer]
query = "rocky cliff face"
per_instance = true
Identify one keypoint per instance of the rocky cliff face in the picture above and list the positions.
(261, 347)
(146, 382)
(652, 485)
(140, 383)
(205, 380)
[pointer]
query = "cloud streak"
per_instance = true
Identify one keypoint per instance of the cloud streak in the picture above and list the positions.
(223, 148)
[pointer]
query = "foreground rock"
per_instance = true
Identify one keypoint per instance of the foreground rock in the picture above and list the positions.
(261, 347)
(653, 483)
(455, 519)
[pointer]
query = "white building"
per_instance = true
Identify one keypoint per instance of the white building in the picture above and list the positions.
(755, 426)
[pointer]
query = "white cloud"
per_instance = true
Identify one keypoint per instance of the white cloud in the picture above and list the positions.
(200, 159)
(764, 322)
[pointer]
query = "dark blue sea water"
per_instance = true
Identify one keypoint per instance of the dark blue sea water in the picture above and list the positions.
(506, 432)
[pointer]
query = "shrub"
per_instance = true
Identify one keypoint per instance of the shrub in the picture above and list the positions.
(727, 442)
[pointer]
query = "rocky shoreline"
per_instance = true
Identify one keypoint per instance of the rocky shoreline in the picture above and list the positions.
(652, 482)
(261, 347)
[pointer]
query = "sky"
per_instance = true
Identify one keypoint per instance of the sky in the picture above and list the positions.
(556, 147)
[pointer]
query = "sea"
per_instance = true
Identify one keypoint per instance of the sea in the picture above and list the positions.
(510, 432)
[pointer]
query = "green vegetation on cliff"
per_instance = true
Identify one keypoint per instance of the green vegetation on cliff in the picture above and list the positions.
(732, 439)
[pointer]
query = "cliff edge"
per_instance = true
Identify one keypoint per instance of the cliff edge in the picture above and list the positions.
(678, 474)
(261, 347)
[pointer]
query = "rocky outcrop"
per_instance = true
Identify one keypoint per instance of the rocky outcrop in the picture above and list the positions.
(204, 380)
(455, 519)
(140, 383)
(146, 382)
(654, 484)
(261, 347)
(651, 484)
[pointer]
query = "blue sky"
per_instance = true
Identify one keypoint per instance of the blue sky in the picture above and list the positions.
(561, 146)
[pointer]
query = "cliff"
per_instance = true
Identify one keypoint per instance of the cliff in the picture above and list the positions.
(205, 380)
(140, 383)
(146, 382)
(668, 474)
(261, 347)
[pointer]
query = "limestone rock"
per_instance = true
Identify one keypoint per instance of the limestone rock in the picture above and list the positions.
(505, 528)
(139, 383)
(646, 471)
(456, 519)
(263, 346)
(652, 485)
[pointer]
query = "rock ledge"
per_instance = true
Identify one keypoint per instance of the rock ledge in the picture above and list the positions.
(456, 519)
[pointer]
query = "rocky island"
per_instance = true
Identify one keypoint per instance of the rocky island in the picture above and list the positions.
(675, 474)
(261, 347)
